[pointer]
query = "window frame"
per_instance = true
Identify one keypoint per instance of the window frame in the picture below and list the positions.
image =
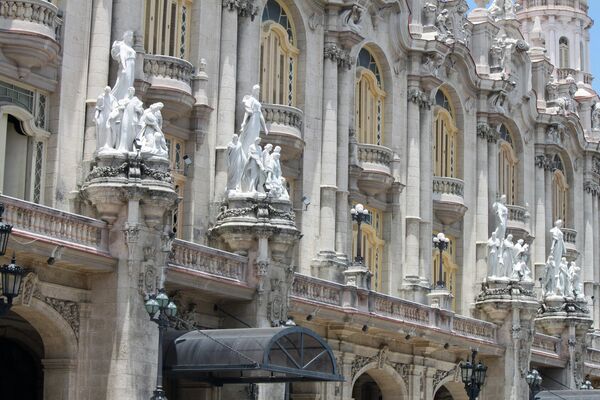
(373, 245)
(158, 31)
(445, 158)
(370, 107)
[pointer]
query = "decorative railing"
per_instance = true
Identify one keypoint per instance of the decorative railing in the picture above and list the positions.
(593, 355)
(55, 224)
(545, 343)
(588, 78)
(518, 214)
(564, 73)
(474, 328)
(168, 67)
(209, 260)
(401, 309)
(35, 11)
(445, 185)
(283, 115)
(569, 235)
(318, 290)
(537, 3)
(371, 153)
(565, 3)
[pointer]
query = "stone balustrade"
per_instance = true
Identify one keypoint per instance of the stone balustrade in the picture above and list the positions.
(168, 67)
(283, 115)
(38, 12)
(564, 73)
(588, 78)
(38, 220)
(517, 214)
(370, 153)
(378, 305)
(445, 185)
(209, 260)
(570, 235)
(545, 344)
(593, 356)
(285, 129)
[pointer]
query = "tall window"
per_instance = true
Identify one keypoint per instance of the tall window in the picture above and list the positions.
(372, 245)
(177, 165)
(445, 139)
(167, 27)
(560, 192)
(449, 267)
(369, 100)
(563, 52)
(507, 166)
(278, 56)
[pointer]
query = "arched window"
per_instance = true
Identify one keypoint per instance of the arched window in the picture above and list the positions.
(368, 100)
(176, 148)
(278, 56)
(507, 166)
(372, 245)
(560, 192)
(449, 267)
(445, 138)
(563, 52)
(167, 27)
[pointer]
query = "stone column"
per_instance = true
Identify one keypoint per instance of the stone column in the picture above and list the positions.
(227, 93)
(426, 188)
(539, 245)
(416, 382)
(99, 61)
(492, 139)
(59, 379)
(548, 201)
(595, 276)
(483, 200)
(588, 232)
(334, 56)
(345, 102)
(248, 59)
(413, 189)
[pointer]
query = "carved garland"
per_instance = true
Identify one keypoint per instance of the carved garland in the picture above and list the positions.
(68, 309)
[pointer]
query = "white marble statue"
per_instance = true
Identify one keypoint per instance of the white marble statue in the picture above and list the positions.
(131, 109)
(507, 259)
(503, 9)
(253, 120)
(576, 282)
(253, 177)
(441, 23)
(525, 269)
(596, 117)
(278, 182)
(557, 249)
(123, 52)
(236, 160)
(105, 140)
(500, 217)
(151, 137)
(493, 252)
(550, 275)
(563, 284)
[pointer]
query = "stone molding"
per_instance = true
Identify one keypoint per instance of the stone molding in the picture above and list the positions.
(69, 310)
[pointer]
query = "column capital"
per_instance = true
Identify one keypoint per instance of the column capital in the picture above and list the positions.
(338, 55)
(591, 187)
(483, 130)
(244, 8)
(418, 96)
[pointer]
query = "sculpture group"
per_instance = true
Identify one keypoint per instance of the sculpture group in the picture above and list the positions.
(252, 169)
(506, 259)
(122, 123)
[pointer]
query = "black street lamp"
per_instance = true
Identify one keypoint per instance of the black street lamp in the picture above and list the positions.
(473, 376)
(534, 380)
(441, 242)
(359, 214)
(160, 308)
(11, 280)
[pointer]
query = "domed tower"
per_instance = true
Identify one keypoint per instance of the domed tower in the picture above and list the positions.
(566, 28)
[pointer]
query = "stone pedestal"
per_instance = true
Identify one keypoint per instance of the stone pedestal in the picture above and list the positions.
(358, 275)
(440, 298)
(512, 305)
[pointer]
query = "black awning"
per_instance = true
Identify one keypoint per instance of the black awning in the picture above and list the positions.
(251, 355)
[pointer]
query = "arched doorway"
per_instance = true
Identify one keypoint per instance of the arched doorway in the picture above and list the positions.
(21, 354)
(443, 394)
(365, 388)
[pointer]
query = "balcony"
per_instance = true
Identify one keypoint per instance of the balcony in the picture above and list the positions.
(518, 221)
(570, 238)
(168, 80)
(563, 73)
(29, 33)
(448, 199)
(83, 241)
(376, 163)
(285, 129)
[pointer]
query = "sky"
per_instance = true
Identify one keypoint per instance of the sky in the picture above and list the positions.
(594, 13)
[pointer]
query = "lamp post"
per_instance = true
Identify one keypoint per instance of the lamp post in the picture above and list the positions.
(534, 380)
(473, 376)
(441, 242)
(11, 275)
(160, 308)
(359, 214)
(5, 230)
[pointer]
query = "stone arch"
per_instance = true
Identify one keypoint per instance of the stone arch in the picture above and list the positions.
(27, 120)
(390, 382)
(456, 389)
